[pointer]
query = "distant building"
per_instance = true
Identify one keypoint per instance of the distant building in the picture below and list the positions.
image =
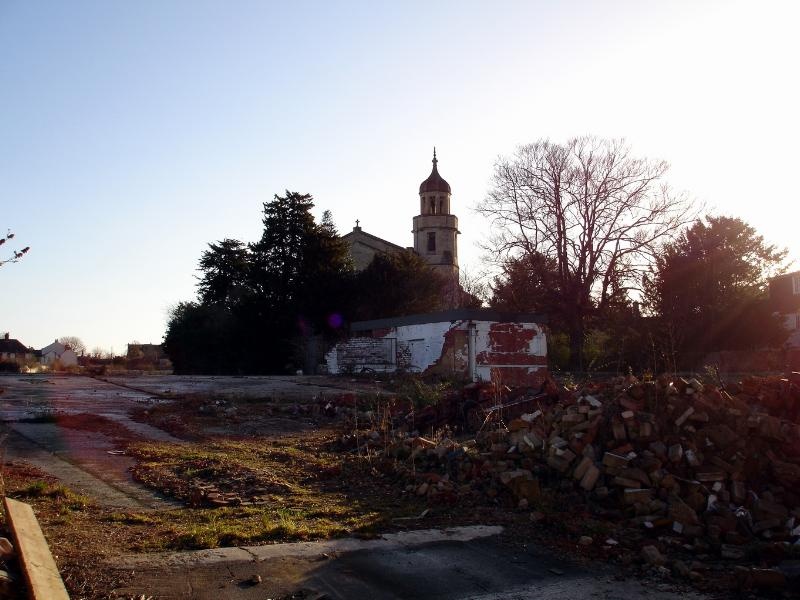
(435, 231)
(148, 356)
(12, 350)
(364, 246)
(58, 353)
(784, 294)
(149, 352)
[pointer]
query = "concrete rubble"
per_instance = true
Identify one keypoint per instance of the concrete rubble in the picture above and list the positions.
(680, 467)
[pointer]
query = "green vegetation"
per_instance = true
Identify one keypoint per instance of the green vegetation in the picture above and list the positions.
(419, 392)
(64, 496)
(708, 290)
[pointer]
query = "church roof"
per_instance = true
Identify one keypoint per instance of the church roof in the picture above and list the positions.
(434, 182)
(358, 235)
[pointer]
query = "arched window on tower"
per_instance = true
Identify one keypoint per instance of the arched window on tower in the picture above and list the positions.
(441, 206)
(433, 206)
(431, 242)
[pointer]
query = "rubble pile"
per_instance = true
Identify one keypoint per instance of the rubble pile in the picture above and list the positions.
(686, 466)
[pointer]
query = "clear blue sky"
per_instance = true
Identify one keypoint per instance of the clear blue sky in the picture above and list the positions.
(131, 134)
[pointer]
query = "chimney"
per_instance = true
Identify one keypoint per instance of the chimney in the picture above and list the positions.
(7, 335)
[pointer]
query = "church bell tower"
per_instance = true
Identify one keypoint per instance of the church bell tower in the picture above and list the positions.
(435, 228)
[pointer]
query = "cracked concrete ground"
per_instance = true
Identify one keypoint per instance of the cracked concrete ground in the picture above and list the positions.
(83, 460)
(287, 388)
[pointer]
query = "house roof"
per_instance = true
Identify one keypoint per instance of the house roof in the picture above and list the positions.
(459, 314)
(14, 346)
(784, 275)
(56, 347)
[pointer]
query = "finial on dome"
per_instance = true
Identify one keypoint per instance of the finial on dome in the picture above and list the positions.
(434, 182)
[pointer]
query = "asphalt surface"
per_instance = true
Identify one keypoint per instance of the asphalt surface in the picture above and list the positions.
(462, 563)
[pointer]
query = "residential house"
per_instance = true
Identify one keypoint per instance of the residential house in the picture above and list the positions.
(148, 355)
(59, 353)
(12, 350)
(784, 294)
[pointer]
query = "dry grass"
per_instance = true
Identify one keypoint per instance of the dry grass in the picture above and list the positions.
(305, 491)
(73, 526)
(307, 506)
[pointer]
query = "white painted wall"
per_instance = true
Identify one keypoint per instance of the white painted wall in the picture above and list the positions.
(59, 352)
(423, 344)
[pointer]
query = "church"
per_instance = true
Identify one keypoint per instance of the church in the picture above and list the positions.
(435, 231)
(458, 341)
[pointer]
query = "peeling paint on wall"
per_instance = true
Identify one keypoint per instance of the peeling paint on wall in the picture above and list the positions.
(513, 353)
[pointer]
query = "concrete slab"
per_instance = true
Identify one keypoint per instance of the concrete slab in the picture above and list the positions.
(388, 541)
(29, 396)
(278, 387)
(108, 486)
(470, 562)
(81, 459)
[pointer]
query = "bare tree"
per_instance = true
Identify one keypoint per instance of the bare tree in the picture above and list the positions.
(75, 343)
(596, 211)
(475, 289)
(16, 254)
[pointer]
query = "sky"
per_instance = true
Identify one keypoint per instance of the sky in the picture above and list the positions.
(132, 134)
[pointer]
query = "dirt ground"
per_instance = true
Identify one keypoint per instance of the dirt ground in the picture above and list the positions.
(169, 486)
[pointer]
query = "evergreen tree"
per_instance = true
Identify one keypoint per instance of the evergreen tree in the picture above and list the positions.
(398, 284)
(261, 305)
(709, 289)
(224, 268)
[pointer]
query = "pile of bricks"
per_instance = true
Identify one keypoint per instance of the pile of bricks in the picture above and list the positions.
(712, 471)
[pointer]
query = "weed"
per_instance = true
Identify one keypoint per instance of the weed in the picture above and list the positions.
(37, 488)
(131, 519)
(65, 497)
(420, 393)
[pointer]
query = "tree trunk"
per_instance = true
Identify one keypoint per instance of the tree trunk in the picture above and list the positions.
(576, 335)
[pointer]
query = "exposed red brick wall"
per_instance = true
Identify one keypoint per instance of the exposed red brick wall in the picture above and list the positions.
(509, 349)
(510, 337)
(515, 377)
(454, 359)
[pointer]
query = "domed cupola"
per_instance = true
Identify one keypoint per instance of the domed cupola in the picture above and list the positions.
(434, 182)
(435, 227)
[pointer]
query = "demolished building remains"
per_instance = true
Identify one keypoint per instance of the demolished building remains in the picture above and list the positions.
(477, 344)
